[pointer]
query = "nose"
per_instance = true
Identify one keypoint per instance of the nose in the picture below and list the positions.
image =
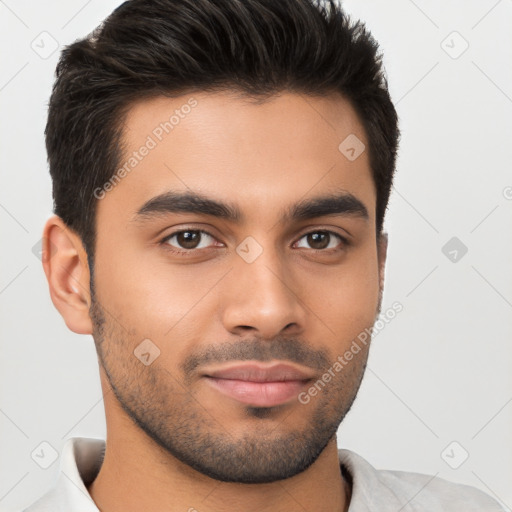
(260, 298)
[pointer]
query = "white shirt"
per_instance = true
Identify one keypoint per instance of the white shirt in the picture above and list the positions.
(372, 490)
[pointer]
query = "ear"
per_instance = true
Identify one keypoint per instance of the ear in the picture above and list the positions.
(67, 271)
(382, 251)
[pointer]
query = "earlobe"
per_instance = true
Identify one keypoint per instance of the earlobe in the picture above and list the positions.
(67, 271)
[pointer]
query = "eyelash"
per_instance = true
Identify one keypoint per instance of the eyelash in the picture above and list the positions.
(344, 241)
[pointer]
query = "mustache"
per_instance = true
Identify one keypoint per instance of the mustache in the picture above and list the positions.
(256, 349)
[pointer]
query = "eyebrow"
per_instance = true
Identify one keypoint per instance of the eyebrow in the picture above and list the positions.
(343, 203)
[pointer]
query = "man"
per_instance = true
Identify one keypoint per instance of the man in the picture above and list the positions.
(221, 173)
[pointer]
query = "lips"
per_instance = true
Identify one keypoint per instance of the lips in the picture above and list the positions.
(259, 385)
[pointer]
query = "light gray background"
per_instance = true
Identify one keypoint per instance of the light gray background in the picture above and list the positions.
(438, 373)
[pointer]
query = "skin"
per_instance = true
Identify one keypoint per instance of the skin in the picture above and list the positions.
(292, 303)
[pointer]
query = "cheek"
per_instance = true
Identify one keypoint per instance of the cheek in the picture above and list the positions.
(151, 297)
(347, 300)
(129, 288)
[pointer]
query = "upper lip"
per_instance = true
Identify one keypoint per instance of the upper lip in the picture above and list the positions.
(257, 372)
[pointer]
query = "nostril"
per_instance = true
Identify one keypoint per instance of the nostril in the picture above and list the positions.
(246, 327)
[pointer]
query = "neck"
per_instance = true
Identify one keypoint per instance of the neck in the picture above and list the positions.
(137, 476)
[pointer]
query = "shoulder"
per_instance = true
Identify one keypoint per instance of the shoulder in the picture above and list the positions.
(409, 491)
(429, 492)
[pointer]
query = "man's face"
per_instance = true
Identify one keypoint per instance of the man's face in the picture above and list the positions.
(210, 324)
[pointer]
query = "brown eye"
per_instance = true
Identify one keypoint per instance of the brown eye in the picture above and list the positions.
(320, 240)
(189, 239)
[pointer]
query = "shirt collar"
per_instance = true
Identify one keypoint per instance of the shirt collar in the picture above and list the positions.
(80, 462)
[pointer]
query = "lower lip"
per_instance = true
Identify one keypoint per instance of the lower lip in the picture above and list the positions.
(258, 394)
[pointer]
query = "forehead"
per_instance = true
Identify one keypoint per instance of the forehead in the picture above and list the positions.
(258, 154)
